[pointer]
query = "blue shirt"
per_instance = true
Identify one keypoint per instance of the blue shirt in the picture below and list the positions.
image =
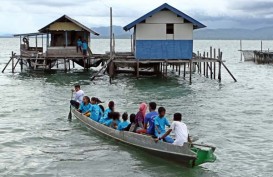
(95, 112)
(85, 108)
(79, 43)
(110, 121)
(122, 125)
(161, 123)
(150, 119)
(105, 116)
(84, 46)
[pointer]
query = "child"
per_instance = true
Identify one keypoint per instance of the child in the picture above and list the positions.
(132, 126)
(160, 123)
(140, 116)
(85, 106)
(111, 108)
(79, 45)
(109, 121)
(180, 130)
(125, 123)
(116, 121)
(94, 110)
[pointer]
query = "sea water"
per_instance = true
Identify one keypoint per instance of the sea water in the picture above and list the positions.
(37, 140)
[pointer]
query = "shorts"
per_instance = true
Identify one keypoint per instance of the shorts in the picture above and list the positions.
(84, 52)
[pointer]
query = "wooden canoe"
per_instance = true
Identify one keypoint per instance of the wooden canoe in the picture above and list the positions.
(192, 155)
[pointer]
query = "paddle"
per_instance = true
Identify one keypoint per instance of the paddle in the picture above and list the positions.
(70, 114)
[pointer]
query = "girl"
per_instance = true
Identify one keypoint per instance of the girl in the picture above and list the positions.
(85, 106)
(140, 116)
(94, 110)
(111, 108)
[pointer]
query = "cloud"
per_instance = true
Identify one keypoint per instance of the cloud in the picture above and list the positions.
(32, 15)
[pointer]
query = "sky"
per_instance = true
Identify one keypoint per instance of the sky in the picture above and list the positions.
(24, 16)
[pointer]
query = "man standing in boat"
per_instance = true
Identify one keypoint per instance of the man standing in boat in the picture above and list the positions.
(78, 97)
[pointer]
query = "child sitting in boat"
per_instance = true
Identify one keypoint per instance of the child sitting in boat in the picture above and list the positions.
(94, 110)
(85, 106)
(116, 120)
(125, 123)
(149, 120)
(140, 116)
(160, 122)
(111, 108)
(132, 126)
(109, 119)
(179, 129)
(78, 96)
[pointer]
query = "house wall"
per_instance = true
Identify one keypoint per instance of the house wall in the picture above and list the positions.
(153, 42)
(64, 26)
(163, 49)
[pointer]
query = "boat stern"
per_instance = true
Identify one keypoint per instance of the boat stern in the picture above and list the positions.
(203, 155)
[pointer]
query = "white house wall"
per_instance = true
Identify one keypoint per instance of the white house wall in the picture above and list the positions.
(183, 31)
(155, 27)
(146, 31)
(165, 17)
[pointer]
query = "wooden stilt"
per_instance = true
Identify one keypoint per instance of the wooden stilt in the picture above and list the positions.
(137, 69)
(21, 64)
(73, 63)
(184, 75)
(57, 65)
(204, 64)
(179, 69)
(220, 62)
(214, 64)
(190, 72)
(65, 69)
(166, 69)
(211, 73)
(68, 64)
(12, 62)
(207, 67)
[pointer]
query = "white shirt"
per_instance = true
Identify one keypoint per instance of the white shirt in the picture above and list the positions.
(79, 96)
(181, 133)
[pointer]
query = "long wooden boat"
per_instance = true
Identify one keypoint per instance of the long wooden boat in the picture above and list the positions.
(188, 154)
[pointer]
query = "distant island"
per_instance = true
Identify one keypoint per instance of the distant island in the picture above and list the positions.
(203, 34)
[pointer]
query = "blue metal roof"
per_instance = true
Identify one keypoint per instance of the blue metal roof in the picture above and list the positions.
(195, 23)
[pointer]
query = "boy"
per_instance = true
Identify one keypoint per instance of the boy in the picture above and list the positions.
(149, 119)
(78, 97)
(160, 123)
(149, 127)
(125, 123)
(180, 130)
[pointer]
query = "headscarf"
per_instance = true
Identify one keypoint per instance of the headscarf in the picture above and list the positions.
(143, 108)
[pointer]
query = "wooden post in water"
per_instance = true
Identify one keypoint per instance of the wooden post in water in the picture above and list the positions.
(12, 62)
(207, 66)
(73, 64)
(184, 75)
(210, 62)
(241, 50)
(261, 46)
(204, 64)
(137, 69)
(65, 69)
(214, 64)
(179, 70)
(190, 72)
(220, 62)
(68, 64)
(200, 65)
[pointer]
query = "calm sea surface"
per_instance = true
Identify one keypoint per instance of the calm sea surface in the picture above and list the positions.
(37, 140)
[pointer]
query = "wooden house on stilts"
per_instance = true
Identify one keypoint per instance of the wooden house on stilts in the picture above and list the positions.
(56, 43)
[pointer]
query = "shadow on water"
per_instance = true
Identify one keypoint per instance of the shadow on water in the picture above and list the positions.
(150, 164)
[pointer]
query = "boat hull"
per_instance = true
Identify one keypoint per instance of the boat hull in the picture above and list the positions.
(180, 154)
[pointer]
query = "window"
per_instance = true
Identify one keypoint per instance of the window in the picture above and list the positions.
(170, 28)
